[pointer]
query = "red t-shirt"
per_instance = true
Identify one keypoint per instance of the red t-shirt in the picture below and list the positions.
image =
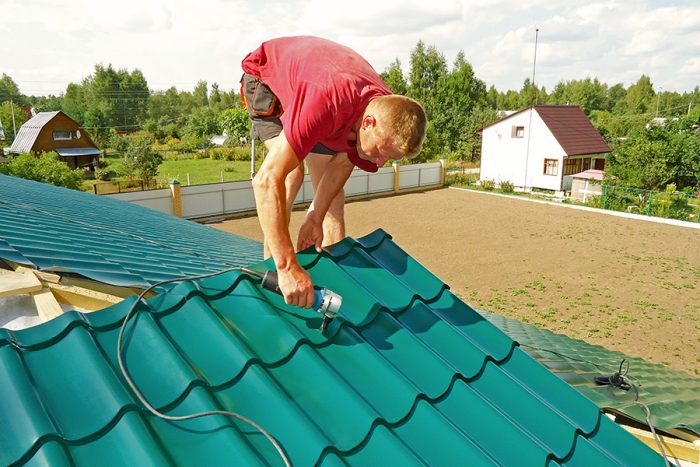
(323, 87)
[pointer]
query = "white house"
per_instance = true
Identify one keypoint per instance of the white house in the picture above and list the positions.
(538, 146)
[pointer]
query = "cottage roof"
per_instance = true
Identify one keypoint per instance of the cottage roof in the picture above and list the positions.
(28, 133)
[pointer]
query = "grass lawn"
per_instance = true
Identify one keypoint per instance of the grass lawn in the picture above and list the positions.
(203, 170)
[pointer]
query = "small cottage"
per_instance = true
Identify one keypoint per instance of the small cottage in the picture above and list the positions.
(56, 131)
(538, 146)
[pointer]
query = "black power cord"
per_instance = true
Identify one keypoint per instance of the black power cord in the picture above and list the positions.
(620, 380)
(155, 411)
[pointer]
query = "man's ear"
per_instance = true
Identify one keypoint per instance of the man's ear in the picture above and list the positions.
(368, 121)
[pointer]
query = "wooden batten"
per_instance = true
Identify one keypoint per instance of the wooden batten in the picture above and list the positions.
(83, 298)
(675, 448)
(46, 304)
(18, 283)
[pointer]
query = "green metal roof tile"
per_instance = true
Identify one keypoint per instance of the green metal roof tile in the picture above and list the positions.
(108, 240)
(672, 396)
(399, 378)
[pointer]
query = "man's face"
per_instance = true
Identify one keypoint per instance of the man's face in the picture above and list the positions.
(372, 147)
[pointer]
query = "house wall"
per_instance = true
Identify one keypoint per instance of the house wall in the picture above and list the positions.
(504, 157)
(45, 142)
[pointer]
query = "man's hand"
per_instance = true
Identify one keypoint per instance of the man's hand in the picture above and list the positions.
(310, 233)
(296, 286)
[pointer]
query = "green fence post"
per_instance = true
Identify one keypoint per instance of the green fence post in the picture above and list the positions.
(651, 195)
(605, 196)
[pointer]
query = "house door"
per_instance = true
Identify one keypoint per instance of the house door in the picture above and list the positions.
(600, 164)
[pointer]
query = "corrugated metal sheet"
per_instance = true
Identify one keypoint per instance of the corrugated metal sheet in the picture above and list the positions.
(406, 375)
(27, 134)
(672, 396)
(112, 241)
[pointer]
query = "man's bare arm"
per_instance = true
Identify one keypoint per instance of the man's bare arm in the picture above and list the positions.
(336, 174)
(269, 189)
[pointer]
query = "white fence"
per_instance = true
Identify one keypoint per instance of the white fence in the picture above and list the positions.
(235, 197)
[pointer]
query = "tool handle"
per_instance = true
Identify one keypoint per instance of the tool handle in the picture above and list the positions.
(270, 282)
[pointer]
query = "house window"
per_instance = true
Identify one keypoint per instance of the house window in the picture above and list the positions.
(61, 135)
(551, 167)
(517, 132)
(573, 166)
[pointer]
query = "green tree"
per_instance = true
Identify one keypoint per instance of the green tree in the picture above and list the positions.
(394, 78)
(9, 90)
(45, 168)
(6, 111)
(236, 123)
(215, 98)
(201, 94)
(203, 123)
(455, 97)
(96, 125)
(640, 98)
(427, 67)
(140, 159)
(589, 94)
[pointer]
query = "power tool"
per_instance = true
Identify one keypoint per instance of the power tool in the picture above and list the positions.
(326, 301)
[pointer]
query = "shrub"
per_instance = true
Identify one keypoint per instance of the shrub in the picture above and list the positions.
(105, 174)
(488, 184)
(45, 168)
(507, 187)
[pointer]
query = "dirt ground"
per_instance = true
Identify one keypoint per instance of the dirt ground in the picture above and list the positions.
(625, 284)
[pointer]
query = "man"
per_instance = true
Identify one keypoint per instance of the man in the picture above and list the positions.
(313, 100)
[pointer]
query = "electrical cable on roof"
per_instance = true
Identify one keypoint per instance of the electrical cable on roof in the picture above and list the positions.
(621, 381)
(155, 411)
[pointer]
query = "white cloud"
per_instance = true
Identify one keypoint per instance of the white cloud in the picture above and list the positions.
(178, 42)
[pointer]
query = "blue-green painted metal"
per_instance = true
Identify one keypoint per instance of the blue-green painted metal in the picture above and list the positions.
(406, 375)
(672, 396)
(56, 229)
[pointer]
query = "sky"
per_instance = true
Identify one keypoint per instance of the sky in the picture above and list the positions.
(48, 44)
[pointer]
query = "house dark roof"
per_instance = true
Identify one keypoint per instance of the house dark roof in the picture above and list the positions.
(672, 396)
(407, 374)
(571, 128)
(56, 229)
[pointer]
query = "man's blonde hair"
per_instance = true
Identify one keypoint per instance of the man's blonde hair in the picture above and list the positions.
(403, 120)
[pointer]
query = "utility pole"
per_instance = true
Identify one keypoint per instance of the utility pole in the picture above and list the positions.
(690, 104)
(12, 109)
(532, 109)
(534, 64)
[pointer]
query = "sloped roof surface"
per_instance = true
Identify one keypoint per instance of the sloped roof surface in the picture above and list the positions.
(406, 375)
(672, 396)
(30, 130)
(56, 229)
(572, 129)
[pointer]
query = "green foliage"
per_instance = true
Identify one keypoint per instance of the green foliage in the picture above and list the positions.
(45, 168)
(228, 154)
(140, 159)
(488, 184)
(6, 110)
(659, 155)
(588, 94)
(9, 90)
(393, 77)
(236, 123)
(507, 187)
(105, 174)
(202, 123)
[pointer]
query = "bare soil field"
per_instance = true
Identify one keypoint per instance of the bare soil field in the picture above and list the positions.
(625, 284)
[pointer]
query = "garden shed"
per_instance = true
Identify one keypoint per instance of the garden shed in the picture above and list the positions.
(586, 184)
